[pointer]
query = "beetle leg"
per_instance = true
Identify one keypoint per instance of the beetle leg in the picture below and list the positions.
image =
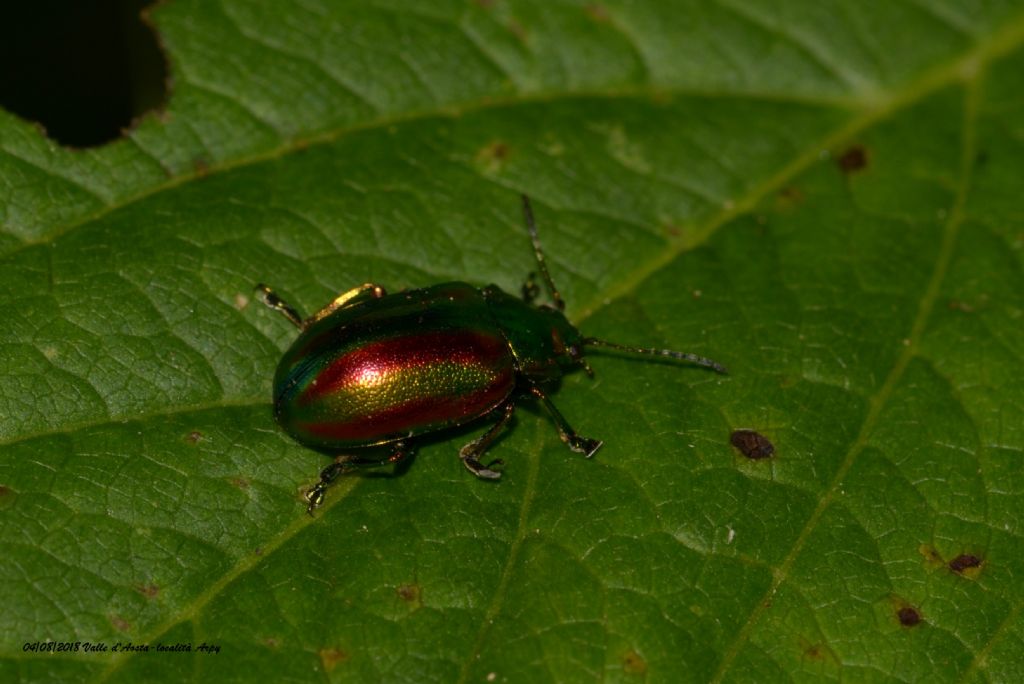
(270, 298)
(346, 464)
(347, 299)
(471, 453)
(583, 445)
(530, 288)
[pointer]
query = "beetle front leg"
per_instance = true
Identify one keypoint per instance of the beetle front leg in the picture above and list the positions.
(272, 300)
(582, 445)
(471, 453)
(346, 464)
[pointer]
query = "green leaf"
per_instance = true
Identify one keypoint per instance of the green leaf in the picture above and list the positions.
(824, 197)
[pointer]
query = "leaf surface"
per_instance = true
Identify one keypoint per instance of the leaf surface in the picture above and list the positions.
(825, 197)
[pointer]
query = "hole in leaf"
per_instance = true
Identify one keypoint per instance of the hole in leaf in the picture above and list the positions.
(752, 444)
(83, 70)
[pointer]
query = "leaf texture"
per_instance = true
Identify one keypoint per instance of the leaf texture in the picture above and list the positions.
(825, 197)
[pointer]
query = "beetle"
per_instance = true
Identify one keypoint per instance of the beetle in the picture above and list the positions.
(377, 370)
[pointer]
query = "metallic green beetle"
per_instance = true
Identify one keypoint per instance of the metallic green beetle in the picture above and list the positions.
(373, 370)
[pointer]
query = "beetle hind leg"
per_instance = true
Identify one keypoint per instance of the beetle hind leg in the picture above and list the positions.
(471, 453)
(582, 445)
(346, 464)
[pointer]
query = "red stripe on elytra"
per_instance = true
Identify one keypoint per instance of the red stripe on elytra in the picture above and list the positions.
(413, 416)
(398, 353)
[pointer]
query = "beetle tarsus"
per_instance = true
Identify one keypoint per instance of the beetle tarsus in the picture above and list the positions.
(315, 495)
(273, 301)
(471, 453)
(586, 446)
(480, 470)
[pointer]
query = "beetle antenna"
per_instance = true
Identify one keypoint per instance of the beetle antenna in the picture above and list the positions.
(539, 253)
(682, 356)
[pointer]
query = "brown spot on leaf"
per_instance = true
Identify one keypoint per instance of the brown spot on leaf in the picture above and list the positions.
(200, 167)
(909, 616)
(4, 491)
(410, 593)
(194, 437)
(964, 561)
(751, 444)
(240, 482)
(272, 642)
(633, 663)
(931, 555)
(959, 305)
(854, 159)
(119, 623)
(150, 591)
(492, 156)
(597, 12)
(517, 30)
(330, 657)
(818, 651)
(792, 194)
